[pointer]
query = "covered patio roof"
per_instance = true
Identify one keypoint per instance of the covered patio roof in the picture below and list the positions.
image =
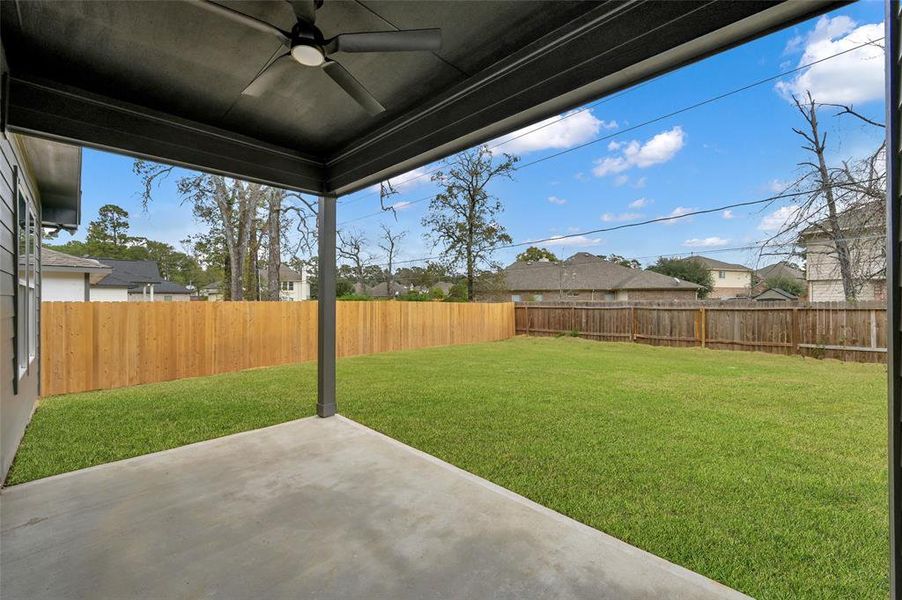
(165, 81)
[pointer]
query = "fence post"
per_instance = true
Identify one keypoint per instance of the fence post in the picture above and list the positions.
(572, 318)
(873, 328)
(794, 333)
(703, 325)
(526, 316)
(633, 323)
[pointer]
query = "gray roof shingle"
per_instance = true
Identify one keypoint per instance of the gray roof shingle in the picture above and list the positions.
(584, 271)
(53, 259)
(780, 269)
(712, 263)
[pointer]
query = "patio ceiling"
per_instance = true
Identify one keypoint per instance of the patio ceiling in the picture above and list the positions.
(164, 81)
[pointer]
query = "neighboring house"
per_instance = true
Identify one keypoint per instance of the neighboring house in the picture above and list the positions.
(865, 230)
(382, 290)
(778, 270)
(40, 186)
(775, 295)
(585, 277)
(66, 278)
(293, 286)
(212, 292)
(136, 281)
(730, 280)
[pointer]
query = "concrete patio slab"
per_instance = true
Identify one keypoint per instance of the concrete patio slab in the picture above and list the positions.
(315, 508)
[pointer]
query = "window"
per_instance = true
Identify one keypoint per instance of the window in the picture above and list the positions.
(721, 274)
(27, 247)
(287, 286)
(167, 298)
(515, 297)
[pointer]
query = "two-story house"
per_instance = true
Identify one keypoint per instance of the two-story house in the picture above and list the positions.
(864, 230)
(730, 280)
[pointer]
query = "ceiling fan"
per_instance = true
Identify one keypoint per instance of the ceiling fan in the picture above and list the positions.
(308, 47)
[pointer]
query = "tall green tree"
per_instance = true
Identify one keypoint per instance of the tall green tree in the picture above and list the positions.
(110, 227)
(687, 270)
(462, 218)
(535, 254)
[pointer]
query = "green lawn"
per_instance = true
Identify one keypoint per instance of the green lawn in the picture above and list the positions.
(766, 473)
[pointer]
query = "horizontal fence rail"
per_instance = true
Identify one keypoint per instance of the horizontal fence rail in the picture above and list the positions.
(102, 345)
(842, 331)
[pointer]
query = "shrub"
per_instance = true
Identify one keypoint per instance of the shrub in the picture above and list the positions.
(437, 293)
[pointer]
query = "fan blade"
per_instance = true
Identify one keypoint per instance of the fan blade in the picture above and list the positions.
(305, 10)
(269, 76)
(386, 41)
(354, 88)
(243, 19)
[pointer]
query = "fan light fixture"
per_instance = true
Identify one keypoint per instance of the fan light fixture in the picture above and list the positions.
(309, 56)
(308, 47)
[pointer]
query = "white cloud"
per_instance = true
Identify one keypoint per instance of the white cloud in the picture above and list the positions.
(679, 211)
(577, 240)
(850, 78)
(611, 218)
(777, 186)
(659, 149)
(561, 131)
(621, 180)
(639, 203)
(640, 183)
(728, 214)
(776, 220)
(556, 200)
(708, 242)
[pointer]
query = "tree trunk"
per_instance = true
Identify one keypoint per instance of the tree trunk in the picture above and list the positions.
(274, 233)
(470, 262)
(843, 254)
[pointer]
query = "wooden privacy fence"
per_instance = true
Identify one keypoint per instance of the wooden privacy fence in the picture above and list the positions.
(851, 333)
(102, 345)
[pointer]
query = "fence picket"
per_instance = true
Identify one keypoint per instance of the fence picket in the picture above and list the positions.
(103, 345)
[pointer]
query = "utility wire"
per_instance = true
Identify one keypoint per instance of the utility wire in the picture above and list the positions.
(657, 119)
(557, 238)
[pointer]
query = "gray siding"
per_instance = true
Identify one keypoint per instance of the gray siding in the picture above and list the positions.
(15, 408)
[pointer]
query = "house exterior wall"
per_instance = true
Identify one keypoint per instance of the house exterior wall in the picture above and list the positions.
(158, 297)
(728, 284)
(831, 290)
(62, 287)
(109, 294)
(300, 291)
(823, 273)
(18, 391)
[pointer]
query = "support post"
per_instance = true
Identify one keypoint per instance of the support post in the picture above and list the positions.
(325, 357)
(893, 24)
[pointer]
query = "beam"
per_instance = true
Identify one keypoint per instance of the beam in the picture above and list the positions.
(894, 285)
(610, 48)
(62, 113)
(325, 357)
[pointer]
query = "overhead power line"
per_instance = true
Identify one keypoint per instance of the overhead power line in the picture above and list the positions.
(665, 219)
(651, 121)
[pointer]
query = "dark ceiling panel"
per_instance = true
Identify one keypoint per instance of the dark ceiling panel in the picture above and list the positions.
(169, 75)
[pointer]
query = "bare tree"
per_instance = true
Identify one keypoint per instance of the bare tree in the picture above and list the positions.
(352, 247)
(843, 205)
(389, 244)
(462, 217)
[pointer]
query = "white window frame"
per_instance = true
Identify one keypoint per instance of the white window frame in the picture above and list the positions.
(27, 258)
(721, 274)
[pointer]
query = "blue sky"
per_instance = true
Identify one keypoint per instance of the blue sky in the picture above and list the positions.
(733, 150)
